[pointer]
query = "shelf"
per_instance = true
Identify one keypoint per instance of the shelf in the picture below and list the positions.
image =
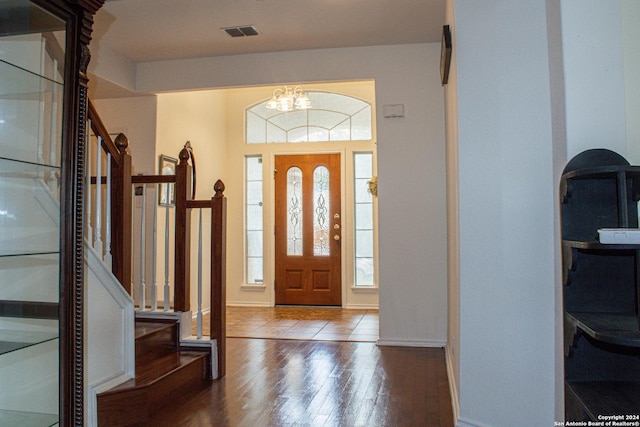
(9, 253)
(26, 419)
(17, 168)
(17, 340)
(19, 83)
(612, 328)
(597, 246)
(602, 172)
(29, 309)
(607, 397)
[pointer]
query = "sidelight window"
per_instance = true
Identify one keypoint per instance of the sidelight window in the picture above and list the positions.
(253, 218)
(364, 232)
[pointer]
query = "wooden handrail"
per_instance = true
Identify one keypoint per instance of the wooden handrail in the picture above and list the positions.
(99, 129)
(184, 193)
(121, 203)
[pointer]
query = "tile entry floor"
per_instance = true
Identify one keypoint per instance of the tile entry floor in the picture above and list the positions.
(301, 323)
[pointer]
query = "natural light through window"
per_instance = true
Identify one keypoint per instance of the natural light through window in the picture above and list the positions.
(254, 248)
(294, 211)
(332, 117)
(364, 254)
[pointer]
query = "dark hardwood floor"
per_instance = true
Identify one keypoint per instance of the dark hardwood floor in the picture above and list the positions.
(318, 383)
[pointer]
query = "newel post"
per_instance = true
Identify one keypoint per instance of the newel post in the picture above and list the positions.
(218, 272)
(182, 288)
(121, 210)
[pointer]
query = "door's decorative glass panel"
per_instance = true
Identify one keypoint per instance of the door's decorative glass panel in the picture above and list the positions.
(321, 211)
(294, 211)
(332, 117)
(364, 244)
(253, 221)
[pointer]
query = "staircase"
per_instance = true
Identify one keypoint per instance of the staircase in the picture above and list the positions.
(165, 371)
(137, 367)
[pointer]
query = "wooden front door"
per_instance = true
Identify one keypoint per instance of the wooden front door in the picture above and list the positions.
(308, 229)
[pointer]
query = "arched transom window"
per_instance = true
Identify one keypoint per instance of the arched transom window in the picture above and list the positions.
(332, 117)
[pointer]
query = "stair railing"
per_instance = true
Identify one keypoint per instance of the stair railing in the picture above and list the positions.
(118, 199)
(111, 223)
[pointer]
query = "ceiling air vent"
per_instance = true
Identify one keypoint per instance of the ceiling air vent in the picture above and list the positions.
(245, 30)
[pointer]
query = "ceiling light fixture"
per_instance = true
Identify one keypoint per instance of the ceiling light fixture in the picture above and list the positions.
(288, 99)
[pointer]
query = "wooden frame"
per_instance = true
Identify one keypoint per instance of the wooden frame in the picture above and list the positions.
(167, 166)
(445, 54)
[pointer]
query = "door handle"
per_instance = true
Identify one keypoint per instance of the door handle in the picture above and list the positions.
(336, 237)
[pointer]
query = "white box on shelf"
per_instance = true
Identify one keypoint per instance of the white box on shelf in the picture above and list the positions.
(619, 236)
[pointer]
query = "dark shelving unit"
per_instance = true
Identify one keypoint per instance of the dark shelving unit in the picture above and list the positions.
(599, 189)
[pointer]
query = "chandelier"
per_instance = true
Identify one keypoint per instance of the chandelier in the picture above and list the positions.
(288, 99)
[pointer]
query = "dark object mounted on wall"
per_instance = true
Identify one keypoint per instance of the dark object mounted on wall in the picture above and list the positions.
(445, 54)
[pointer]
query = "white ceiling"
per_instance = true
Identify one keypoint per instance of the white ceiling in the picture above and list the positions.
(151, 30)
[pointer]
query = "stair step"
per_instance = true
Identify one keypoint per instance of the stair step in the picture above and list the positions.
(170, 377)
(154, 340)
(163, 373)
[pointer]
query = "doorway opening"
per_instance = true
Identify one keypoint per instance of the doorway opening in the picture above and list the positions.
(340, 122)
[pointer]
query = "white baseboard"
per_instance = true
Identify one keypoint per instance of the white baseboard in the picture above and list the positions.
(248, 304)
(468, 423)
(361, 306)
(412, 343)
(453, 387)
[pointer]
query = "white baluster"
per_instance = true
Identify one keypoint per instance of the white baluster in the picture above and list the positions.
(142, 245)
(88, 184)
(154, 259)
(199, 313)
(133, 221)
(166, 252)
(107, 231)
(97, 244)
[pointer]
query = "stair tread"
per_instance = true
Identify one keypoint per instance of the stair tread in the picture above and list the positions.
(154, 371)
(146, 328)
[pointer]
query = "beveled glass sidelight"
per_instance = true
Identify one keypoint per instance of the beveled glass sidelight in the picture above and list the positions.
(294, 211)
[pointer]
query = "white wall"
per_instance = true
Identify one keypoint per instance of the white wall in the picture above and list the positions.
(594, 78)
(507, 192)
(411, 165)
(453, 219)
(136, 118)
(631, 61)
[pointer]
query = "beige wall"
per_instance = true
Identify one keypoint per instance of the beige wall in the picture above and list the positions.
(198, 117)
